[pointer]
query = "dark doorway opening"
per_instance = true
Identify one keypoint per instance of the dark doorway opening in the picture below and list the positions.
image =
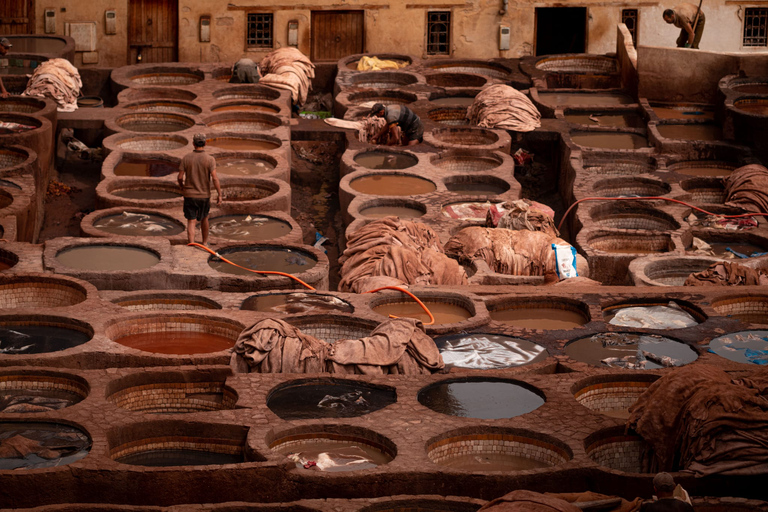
(561, 30)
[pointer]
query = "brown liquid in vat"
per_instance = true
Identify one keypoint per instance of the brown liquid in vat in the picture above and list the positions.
(621, 414)
(246, 107)
(705, 171)
(392, 185)
(156, 127)
(146, 195)
(570, 98)
(683, 113)
(454, 100)
(383, 160)
(247, 227)
(492, 462)
(138, 224)
(758, 109)
(335, 456)
(690, 131)
(475, 189)
(153, 168)
(616, 120)
(385, 211)
(610, 140)
(177, 342)
(444, 312)
(719, 248)
(539, 318)
(634, 250)
(295, 303)
(752, 88)
(243, 144)
(106, 257)
(243, 167)
(275, 260)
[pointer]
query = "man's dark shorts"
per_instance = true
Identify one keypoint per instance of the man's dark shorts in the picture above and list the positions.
(196, 208)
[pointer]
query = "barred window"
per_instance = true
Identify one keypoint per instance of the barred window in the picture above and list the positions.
(629, 18)
(756, 26)
(259, 31)
(439, 33)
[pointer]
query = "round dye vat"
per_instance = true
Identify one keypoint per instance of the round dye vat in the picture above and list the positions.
(237, 144)
(376, 212)
(243, 166)
(683, 112)
(470, 211)
(41, 445)
(138, 224)
(296, 303)
(539, 318)
(328, 399)
(629, 120)
(634, 351)
(757, 109)
(604, 140)
(752, 88)
(247, 107)
(488, 351)
(334, 456)
(444, 312)
(179, 457)
(38, 339)
(249, 228)
(708, 170)
(22, 401)
(481, 399)
(154, 123)
(572, 98)
(177, 342)
(385, 160)
(690, 131)
(463, 101)
(146, 194)
(268, 259)
(652, 316)
(392, 185)
(476, 188)
(743, 347)
(107, 257)
(728, 250)
(145, 168)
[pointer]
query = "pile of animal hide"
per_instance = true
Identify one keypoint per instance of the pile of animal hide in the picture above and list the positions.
(728, 274)
(367, 128)
(502, 106)
(288, 68)
(397, 346)
(377, 64)
(394, 252)
(522, 214)
(747, 188)
(56, 79)
(529, 501)
(698, 418)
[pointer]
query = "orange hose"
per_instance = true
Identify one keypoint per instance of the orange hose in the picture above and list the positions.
(423, 306)
(654, 198)
(269, 272)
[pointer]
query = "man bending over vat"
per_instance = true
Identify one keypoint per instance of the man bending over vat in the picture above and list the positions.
(690, 20)
(403, 125)
(196, 172)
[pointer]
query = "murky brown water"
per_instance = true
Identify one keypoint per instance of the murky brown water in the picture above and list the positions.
(385, 211)
(246, 107)
(572, 98)
(481, 399)
(624, 350)
(152, 168)
(146, 194)
(243, 144)
(155, 127)
(758, 109)
(492, 462)
(275, 260)
(600, 119)
(463, 101)
(177, 342)
(243, 167)
(634, 250)
(488, 351)
(107, 257)
(296, 303)
(721, 249)
(38, 339)
(690, 131)
(683, 112)
(334, 456)
(328, 400)
(249, 227)
(138, 224)
(392, 185)
(168, 458)
(539, 318)
(476, 189)
(67, 444)
(705, 171)
(444, 312)
(36, 45)
(752, 88)
(385, 160)
(610, 140)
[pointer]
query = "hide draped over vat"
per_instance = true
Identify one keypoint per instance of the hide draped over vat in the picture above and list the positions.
(747, 188)
(502, 106)
(393, 252)
(522, 214)
(56, 79)
(708, 423)
(726, 273)
(529, 501)
(397, 346)
(288, 68)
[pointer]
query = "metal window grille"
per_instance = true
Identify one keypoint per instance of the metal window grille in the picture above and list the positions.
(756, 26)
(439, 33)
(629, 18)
(259, 31)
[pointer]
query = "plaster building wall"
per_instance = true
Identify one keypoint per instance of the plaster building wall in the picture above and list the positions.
(398, 26)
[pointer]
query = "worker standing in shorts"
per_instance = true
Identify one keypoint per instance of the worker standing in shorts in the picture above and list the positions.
(196, 172)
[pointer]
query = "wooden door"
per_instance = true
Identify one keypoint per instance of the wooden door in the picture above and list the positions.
(17, 17)
(336, 34)
(153, 30)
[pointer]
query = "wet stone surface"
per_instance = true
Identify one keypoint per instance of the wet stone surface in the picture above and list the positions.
(480, 399)
(328, 399)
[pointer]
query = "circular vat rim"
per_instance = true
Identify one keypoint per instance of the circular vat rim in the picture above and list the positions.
(248, 120)
(9, 258)
(631, 181)
(180, 119)
(504, 71)
(65, 322)
(721, 302)
(715, 164)
(503, 303)
(119, 141)
(373, 202)
(254, 91)
(486, 179)
(79, 290)
(134, 73)
(689, 307)
(77, 385)
(138, 106)
(272, 217)
(118, 157)
(136, 94)
(349, 59)
(647, 268)
(314, 431)
(273, 109)
(33, 101)
(166, 297)
(380, 95)
(605, 380)
(600, 234)
(88, 223)
(364, 325)
(541, 63)
(387, 150)
(605, 212)
(55, 421)
(102, 242)
(492, 138)
(263, 137)
(391, 79)
(366, 173)
(448, 115)
(480, 79)
(427, 296)
(457, 154)
(252, 298)
(34, 120)
(597, 439)
(29, 156)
